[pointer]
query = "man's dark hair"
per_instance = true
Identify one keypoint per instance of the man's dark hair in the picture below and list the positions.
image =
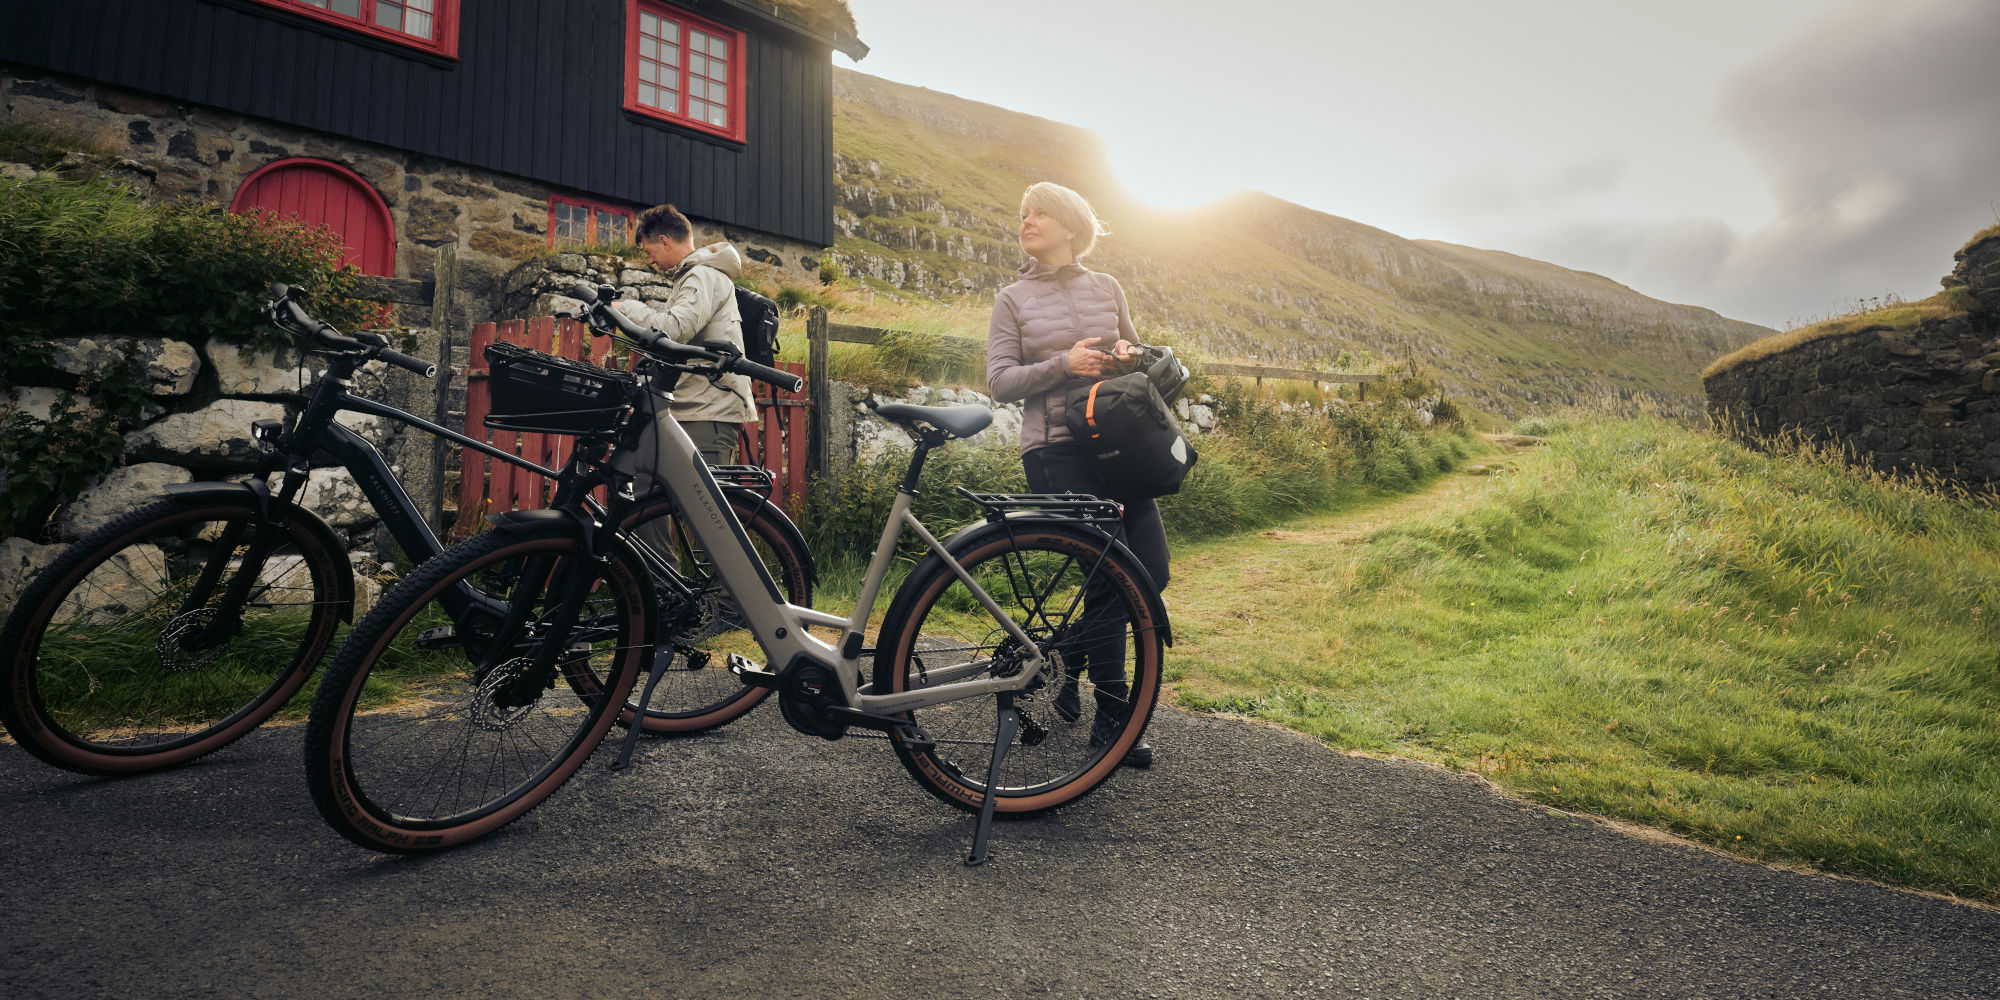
(663, 220)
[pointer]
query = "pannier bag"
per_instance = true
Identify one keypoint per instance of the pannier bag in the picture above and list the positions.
(1140, 448)
(760, 326)
(532, 391)
(1168, 374)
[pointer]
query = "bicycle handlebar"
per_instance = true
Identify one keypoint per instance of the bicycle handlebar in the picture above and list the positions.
(324, 335)
(664, 348)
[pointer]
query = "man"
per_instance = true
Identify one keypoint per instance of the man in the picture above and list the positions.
(701, 307)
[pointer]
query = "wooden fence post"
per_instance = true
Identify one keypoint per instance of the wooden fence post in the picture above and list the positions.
(444, 319)
(818, 391)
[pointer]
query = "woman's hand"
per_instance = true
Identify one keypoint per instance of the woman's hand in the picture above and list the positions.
(1087, 360)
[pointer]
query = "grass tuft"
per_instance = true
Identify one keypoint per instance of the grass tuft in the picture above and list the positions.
(1648, 622)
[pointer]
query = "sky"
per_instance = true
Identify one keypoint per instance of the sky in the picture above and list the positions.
(1773, 160)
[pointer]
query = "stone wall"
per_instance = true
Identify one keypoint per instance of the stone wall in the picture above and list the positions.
(204, 398)
(1901, 400)
(179, 150)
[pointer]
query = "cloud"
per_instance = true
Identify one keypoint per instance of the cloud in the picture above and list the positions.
(1491, 194)
(1878, 132)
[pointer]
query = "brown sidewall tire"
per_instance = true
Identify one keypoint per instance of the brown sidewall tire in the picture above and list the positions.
(22, 709)
(943, 781)
(334, 787)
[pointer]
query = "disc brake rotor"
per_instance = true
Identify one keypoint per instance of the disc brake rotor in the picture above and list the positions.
(172, 651)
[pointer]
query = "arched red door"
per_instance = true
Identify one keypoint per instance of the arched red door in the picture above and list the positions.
(321, 193)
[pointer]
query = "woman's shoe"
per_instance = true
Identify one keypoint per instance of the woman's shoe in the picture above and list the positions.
(1112, 707)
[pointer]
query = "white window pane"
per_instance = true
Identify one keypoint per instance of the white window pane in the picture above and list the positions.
(697, 110)
(649, 95)
(697, 40)
(648, 24)
(718, 70)
(389, 15)
(718, 116)
(718, 47)
(649, 49)
(420, 5)
(670, 101)
(697, 64)
(419, 24)
(649, 71)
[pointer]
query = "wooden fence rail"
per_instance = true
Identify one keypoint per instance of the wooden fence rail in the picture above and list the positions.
(820, 332)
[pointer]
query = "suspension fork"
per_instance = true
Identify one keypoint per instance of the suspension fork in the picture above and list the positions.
(229, 618)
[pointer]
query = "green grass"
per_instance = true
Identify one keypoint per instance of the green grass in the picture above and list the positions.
(1771, 653)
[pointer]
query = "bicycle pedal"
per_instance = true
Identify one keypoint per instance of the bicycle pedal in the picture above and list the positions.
(442, 637)
(751, 672)
(912, 737)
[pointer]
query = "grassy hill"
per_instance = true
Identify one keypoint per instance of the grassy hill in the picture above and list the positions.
(1765, 651)
(928, 186)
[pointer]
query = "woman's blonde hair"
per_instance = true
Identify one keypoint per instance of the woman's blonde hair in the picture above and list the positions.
(1068, 208)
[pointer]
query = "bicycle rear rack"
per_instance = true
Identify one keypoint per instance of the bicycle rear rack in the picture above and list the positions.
(1081, 507)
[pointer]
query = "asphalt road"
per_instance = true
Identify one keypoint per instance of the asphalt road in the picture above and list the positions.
(759, 863)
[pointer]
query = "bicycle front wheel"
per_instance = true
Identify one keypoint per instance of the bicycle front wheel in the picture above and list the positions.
(699, 624)
(432, 728)
(1085, 608)
(168, 633)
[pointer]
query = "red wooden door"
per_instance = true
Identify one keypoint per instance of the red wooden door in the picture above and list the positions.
(317, 192)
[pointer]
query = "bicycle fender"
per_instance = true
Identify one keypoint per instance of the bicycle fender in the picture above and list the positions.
(513, 522)
(793, 536)
(978, 534)
(260, 496)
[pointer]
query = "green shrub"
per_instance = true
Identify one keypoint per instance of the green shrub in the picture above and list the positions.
(1540, 426)
(1269, 466)
(84, 258)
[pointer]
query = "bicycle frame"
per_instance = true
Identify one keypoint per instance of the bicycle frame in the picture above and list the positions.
(780, 627)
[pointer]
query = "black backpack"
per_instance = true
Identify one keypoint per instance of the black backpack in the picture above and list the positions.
(1123, 423)
(760, 326)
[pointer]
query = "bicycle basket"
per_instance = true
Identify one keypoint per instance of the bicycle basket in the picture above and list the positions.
(532, 391)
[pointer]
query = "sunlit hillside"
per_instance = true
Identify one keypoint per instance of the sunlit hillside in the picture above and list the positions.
(928, 186)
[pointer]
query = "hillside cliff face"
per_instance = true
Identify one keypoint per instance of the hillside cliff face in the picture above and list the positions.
(928, 187)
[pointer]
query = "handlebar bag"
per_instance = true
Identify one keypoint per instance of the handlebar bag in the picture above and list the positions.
(1140, 449)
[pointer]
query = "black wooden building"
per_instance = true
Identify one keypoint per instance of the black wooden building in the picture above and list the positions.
(723, 107)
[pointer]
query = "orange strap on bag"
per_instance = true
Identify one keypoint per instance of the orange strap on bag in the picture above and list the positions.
(1090, 409)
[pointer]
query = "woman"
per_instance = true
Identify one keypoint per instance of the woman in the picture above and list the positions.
(1059, 327)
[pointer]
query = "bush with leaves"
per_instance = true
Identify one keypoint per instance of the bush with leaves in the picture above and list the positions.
(89, 259)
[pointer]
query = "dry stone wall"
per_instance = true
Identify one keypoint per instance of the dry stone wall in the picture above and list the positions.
(204, 398)
(1902, 401)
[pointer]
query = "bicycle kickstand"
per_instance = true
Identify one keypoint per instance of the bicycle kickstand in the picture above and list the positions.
(1009, 723)
(661, 658)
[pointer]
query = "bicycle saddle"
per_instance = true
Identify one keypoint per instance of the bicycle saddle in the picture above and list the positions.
(957, 421)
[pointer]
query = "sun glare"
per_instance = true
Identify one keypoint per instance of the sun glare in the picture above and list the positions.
(1170, 182)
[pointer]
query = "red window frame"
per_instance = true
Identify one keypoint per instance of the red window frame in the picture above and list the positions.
(735, 102)
(595, 208)
(444, 23)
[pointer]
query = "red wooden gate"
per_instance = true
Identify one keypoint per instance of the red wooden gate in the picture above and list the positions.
(485, 485)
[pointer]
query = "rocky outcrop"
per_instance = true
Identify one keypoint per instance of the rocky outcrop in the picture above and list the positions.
(1909, 400)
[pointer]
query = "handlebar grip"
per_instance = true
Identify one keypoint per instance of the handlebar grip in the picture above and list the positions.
(408, 363)
(782, 379)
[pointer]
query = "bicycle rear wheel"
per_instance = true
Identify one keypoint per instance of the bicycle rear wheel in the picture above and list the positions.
(132, 651)
(422, 735)
(699, 624)
(1076, 600)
